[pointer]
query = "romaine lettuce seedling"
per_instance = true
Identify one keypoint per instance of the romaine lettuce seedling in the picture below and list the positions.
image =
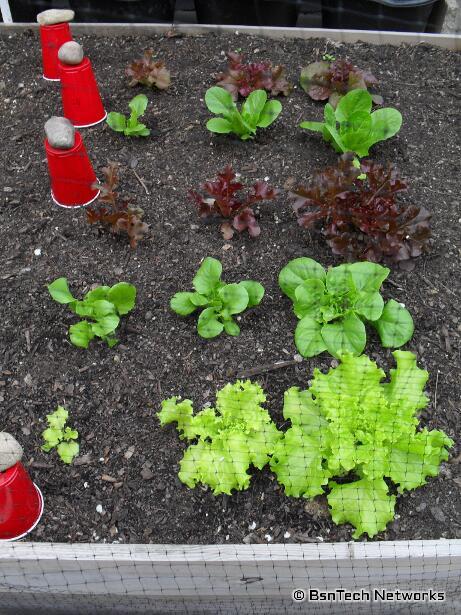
(351, 426)
(130, 126)
(60, 437)
(102, 306)
(219, 301)
(352, 127)
(237, 434)
(257, 112)
(334, 306)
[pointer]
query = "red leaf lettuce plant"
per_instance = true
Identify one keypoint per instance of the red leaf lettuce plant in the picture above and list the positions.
(331, 80)
(361, 219)
(245, 77)
(149, 72)
(113, 211)
(219, 198)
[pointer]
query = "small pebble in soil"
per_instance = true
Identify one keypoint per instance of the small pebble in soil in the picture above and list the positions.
(100, 509)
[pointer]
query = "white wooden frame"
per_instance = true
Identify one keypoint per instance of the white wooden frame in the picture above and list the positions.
(222, 578)
(447, 41)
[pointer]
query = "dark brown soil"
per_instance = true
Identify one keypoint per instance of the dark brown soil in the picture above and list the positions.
(113, 395)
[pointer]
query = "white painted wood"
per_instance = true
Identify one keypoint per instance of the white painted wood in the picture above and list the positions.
(447, 41)
(175, 570)
(5, 11)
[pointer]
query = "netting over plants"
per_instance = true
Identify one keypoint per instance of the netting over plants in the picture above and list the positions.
(231, 323)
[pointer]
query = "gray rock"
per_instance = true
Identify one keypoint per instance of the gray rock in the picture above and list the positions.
(70, 53)
(10, 451)
(53, 16)
(60, 132)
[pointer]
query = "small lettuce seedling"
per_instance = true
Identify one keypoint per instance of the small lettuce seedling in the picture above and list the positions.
(332, 79)
(114, 211)
(220, 198)
(218, 300)
(130, 127)
(334, 306)
(103, 305)
(60, 437)
(149, 72)
(237, 434)
(246, 77)
(257, 112)
(352, 127)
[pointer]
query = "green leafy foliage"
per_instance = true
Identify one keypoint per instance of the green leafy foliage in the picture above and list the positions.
(218, 300)
(333, 307)
(130, 126)
(102, 306)
(350, 424)
(352, 127)
(237, 434)
(257, 112)
(60, 437)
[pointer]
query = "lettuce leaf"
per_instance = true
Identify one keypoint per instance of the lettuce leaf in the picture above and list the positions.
(237, 434)
(351, 425)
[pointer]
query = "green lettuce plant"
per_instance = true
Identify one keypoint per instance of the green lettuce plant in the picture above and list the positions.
(333, 307)
(130, 126)
(102, 306)
(257, 112)
(218, 300)
(229, 439)
(352, 127)
(351, 426)
(60, 437)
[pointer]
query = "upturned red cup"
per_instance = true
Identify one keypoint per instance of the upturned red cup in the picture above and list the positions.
(21, 503)
(52, 37)
(81, 101)
(71, 174)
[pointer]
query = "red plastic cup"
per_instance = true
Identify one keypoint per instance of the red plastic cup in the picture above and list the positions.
(52, 37)
(81, 100)
(71, 174)
(21, 503)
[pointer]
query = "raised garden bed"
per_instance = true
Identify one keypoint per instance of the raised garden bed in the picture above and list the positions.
(128, 464)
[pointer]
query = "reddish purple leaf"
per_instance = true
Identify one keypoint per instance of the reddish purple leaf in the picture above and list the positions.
(362, 219)
(220, 198)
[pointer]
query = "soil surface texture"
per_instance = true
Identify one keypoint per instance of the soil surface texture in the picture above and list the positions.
(128, 464)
